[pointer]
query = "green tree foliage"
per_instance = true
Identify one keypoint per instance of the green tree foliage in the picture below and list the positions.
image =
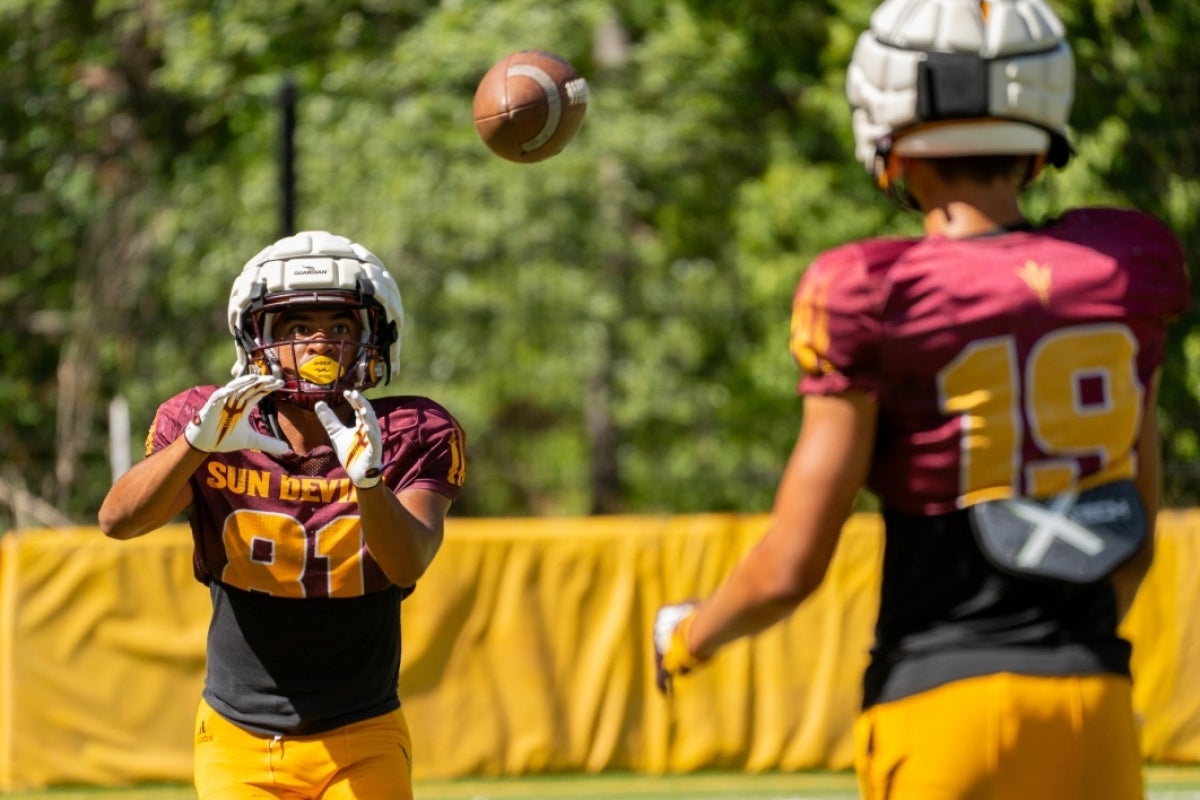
(610, 326)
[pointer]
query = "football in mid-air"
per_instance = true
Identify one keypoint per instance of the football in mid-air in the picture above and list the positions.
(529, 105)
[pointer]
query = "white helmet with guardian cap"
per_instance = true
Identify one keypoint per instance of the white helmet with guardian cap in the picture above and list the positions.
(316, 269)
(938, 78)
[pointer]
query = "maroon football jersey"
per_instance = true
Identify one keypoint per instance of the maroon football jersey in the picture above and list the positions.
(1008, 364)
(305, 631)
(287, 525)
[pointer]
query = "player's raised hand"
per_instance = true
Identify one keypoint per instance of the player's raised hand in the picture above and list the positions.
(671, 654)
(223, 424)
(359, 446)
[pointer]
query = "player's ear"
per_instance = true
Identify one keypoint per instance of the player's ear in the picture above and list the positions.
(889, 169)
(1034, 167)
(890, 176)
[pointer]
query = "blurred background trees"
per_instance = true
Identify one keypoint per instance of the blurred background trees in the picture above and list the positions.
(609, 326)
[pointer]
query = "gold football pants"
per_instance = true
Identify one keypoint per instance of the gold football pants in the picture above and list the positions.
(362, 761)
(1003, 737)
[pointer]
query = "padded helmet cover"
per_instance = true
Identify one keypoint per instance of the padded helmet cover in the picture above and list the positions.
(961, 77)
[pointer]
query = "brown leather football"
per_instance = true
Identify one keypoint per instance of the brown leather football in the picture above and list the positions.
(529, 105)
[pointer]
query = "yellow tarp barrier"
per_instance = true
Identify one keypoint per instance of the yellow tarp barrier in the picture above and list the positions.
(1164, 626)
(101, 655)
(526, 649)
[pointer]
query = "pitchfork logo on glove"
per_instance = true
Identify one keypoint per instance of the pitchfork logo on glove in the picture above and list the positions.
(231, 413)
(359, 446)
(223, 424)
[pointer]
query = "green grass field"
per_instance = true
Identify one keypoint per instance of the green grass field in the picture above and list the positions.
(1164, 783)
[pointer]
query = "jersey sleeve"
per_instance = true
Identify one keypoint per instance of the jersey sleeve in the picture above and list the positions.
(835, 330)
(173, 416)
(1166, 293)
(424, 447)
(1154, 283)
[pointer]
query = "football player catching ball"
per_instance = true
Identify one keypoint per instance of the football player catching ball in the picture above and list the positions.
(313, 511)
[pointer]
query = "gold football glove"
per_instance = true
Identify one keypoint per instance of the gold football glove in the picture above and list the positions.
(671, 654)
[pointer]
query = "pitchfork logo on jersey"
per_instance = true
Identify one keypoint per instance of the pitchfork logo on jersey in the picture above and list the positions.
(1037, 277)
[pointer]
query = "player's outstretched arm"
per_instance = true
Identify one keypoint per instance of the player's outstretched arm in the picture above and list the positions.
(402, 532)
(156, 490)
(828, 465)
(151, 493)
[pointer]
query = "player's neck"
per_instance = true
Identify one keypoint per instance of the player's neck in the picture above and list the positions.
(301, 427)
(964, 208)
(962, 218)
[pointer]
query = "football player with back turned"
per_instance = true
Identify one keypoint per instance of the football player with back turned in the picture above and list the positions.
(313, 513)
(994, 384)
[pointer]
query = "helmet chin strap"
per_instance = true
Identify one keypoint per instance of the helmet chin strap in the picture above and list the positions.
(271, 415)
